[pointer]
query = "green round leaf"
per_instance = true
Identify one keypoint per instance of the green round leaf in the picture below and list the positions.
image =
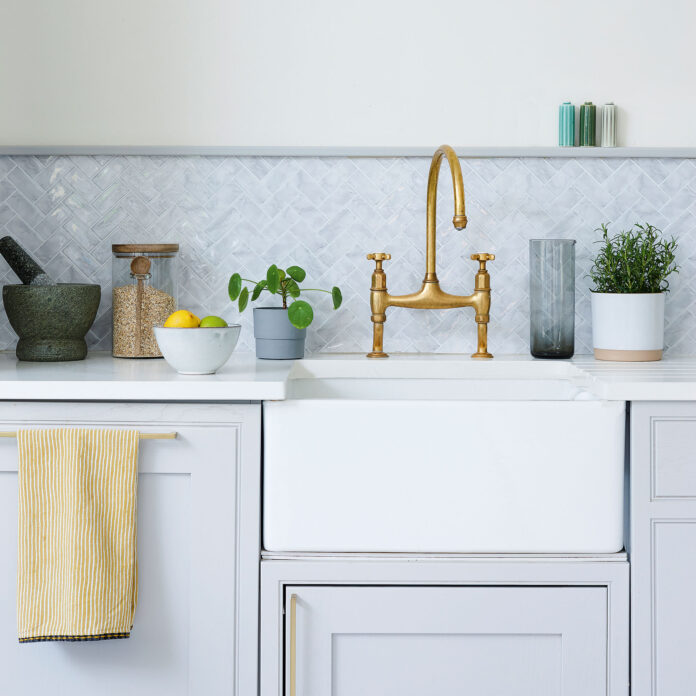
(292, 288)
(281, 274)
(243, 299)
(336, 297)
(258, 289)
(300, 314)
(235, 286)
(297, 273)
(272, 279)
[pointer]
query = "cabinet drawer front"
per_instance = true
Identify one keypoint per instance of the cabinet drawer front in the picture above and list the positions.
(673, 455)
(410, 641)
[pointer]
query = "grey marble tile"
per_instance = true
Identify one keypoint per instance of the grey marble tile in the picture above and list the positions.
(326, 214)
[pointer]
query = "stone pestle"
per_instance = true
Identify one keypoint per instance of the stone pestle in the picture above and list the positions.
(27, 270)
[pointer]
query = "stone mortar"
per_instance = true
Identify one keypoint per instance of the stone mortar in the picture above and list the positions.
(51, 320)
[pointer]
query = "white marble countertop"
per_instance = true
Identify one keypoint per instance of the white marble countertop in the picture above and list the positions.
(670, 379)
(244, 378)
(101, 377)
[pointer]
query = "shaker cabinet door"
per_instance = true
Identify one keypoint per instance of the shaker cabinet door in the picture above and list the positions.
(441, 641)
(663, 548)
(195, 627)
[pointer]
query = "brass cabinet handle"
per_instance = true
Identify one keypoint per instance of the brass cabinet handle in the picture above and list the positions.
(141, 436)
(293, 645)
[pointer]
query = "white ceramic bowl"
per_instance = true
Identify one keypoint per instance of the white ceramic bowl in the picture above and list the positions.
(197, 351)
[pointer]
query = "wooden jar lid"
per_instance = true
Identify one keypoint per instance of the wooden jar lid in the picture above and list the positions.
(144, 248)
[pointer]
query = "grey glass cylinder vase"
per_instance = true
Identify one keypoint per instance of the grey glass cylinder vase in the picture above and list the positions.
(276, 338)
(552, 298)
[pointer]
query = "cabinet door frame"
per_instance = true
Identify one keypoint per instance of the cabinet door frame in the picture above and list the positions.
(243, 563)
(650, 512)
(278, 572)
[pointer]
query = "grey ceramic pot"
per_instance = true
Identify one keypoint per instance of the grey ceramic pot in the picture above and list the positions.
(276, 338)
(51, 320)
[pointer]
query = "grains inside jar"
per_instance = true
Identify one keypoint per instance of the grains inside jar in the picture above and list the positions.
(155, 307)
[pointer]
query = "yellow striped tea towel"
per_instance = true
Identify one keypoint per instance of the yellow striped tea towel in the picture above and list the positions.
(76, 573)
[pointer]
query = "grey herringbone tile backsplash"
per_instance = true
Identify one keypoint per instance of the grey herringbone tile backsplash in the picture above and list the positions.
(243, 213)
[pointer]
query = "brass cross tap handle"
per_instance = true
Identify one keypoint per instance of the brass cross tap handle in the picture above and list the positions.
(482, 271)
(378, 258)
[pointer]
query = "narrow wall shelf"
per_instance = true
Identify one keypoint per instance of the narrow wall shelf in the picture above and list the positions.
(340, 151)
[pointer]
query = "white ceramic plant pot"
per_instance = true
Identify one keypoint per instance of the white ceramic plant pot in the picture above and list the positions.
(628, 327)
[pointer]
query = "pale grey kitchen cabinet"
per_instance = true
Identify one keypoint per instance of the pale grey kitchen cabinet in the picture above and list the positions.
(380, 626)
(195, 628)
(409, 641)
(663, 549)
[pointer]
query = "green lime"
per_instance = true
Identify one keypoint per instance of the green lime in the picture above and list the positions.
(211, 322)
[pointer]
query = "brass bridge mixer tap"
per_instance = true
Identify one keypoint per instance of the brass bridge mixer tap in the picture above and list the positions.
(431, 296)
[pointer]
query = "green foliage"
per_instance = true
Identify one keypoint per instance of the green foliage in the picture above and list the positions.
(638, 260)
(300, 314)
(257, 290)
(235, 286)
(293, 288)
(272, 279)
(243, 299)
(296, 273)
(285, 283)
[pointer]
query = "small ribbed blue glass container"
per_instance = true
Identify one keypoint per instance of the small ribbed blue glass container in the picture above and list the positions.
(588, 125)
(566, 125)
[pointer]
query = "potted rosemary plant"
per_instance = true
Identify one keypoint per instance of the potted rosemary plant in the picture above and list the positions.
(279, 331)
(630, 275)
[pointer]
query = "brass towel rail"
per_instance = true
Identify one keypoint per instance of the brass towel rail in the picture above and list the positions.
(142, 436)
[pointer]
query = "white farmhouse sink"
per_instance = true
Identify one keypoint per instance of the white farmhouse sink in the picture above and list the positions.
(425, 454)
(347, 376)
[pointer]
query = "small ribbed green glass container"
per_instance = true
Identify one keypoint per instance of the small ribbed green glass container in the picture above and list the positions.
(566, 125)
(588, 125)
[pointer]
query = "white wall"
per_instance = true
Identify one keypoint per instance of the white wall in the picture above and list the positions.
(340, 72)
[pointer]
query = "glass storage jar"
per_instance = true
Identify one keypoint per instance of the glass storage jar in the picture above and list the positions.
(144, 282)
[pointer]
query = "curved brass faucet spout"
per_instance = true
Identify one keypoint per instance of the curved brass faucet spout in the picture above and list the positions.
(459, 219)
(431, 296)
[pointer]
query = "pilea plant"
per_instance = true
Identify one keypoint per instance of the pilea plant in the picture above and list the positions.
(286, 284)
(638, 260)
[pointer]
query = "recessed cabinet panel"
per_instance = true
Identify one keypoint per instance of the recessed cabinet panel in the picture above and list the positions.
(410, 641)
(418, 663)
(153, 659)
(674, 573)
(674, 457)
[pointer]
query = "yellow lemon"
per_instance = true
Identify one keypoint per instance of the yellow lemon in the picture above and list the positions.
(182, 319)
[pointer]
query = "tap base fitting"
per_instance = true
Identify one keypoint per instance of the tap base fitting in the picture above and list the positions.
(377, 354)
(485, 356)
